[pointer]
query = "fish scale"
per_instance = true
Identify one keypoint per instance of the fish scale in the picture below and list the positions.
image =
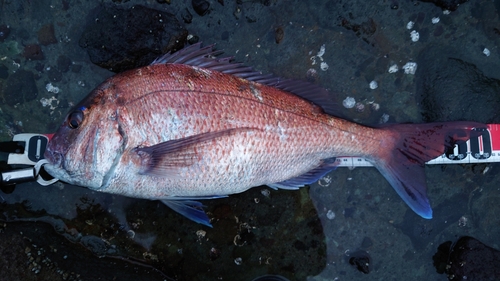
(306, 139)
(191, 126)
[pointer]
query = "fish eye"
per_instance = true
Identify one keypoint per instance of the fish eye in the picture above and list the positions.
(75, 118)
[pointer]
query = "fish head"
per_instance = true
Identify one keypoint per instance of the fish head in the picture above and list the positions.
(89, 143)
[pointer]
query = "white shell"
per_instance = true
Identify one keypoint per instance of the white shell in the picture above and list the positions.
(393, 69)
(410, 25)
(410, 67)
(323, 66)
(51, 89)
(321, 51)
(414, 36)
(349, 102)
(373, 85)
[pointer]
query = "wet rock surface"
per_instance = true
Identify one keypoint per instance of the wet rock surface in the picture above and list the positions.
(34, 251)
(423, 232)
(450, 88)
(254, 234)
(20, 87)
(119, 39)
(467, 259)
(450, 5)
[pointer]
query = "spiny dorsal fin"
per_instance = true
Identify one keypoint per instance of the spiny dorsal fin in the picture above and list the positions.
(206, 57)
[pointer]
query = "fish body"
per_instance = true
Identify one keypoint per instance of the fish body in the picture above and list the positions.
(190, 126)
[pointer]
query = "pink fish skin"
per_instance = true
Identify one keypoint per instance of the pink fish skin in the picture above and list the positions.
(191, 126)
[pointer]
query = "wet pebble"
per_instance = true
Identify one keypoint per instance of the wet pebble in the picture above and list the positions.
(186, 15)
(4, 31)
(46, 35)
(33, 52)
(279, 34)
(360, 260)
(201, 7)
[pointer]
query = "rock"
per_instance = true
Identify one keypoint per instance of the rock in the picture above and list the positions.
(467, 259)
(187, 16)
(46, 35)
(360, 260)
(446, 83)
(4, 32)
(450, 5)
(20, 88)
(122, 39)
(201, 7)
(33, 52)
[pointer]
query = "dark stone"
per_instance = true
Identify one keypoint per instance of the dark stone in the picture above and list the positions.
(279, 34)
(201, 7)
(4, 32)
(451, 89)
(187, 16)
(33, 52)
(63, 63)
(224, 35)
(468, 258)
(4, 72)
(194, 39)
(451, 5)
(394, 5)
(20, 88)
(251, 19)
(360, 260)
(120, 39)
(46, 35)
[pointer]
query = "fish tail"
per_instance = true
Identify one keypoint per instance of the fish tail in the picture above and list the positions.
(411, 145)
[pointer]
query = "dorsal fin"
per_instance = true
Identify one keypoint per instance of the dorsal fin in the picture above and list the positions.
(206, 57)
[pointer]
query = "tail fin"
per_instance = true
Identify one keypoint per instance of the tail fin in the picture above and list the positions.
(415, 144)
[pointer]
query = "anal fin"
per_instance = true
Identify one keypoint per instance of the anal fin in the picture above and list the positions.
(326, 166)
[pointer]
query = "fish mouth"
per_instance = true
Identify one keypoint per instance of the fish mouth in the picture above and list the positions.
(55, 158)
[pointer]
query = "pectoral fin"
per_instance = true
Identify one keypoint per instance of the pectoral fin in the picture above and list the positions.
(165, 158)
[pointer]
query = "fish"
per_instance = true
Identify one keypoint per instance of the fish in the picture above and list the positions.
(193, 126)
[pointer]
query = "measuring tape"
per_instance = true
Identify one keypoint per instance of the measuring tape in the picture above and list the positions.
(482, 149)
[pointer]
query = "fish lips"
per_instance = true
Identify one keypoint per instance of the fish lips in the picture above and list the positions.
(55, 167)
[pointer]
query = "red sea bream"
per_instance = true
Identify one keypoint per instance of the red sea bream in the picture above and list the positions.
(192, 126)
